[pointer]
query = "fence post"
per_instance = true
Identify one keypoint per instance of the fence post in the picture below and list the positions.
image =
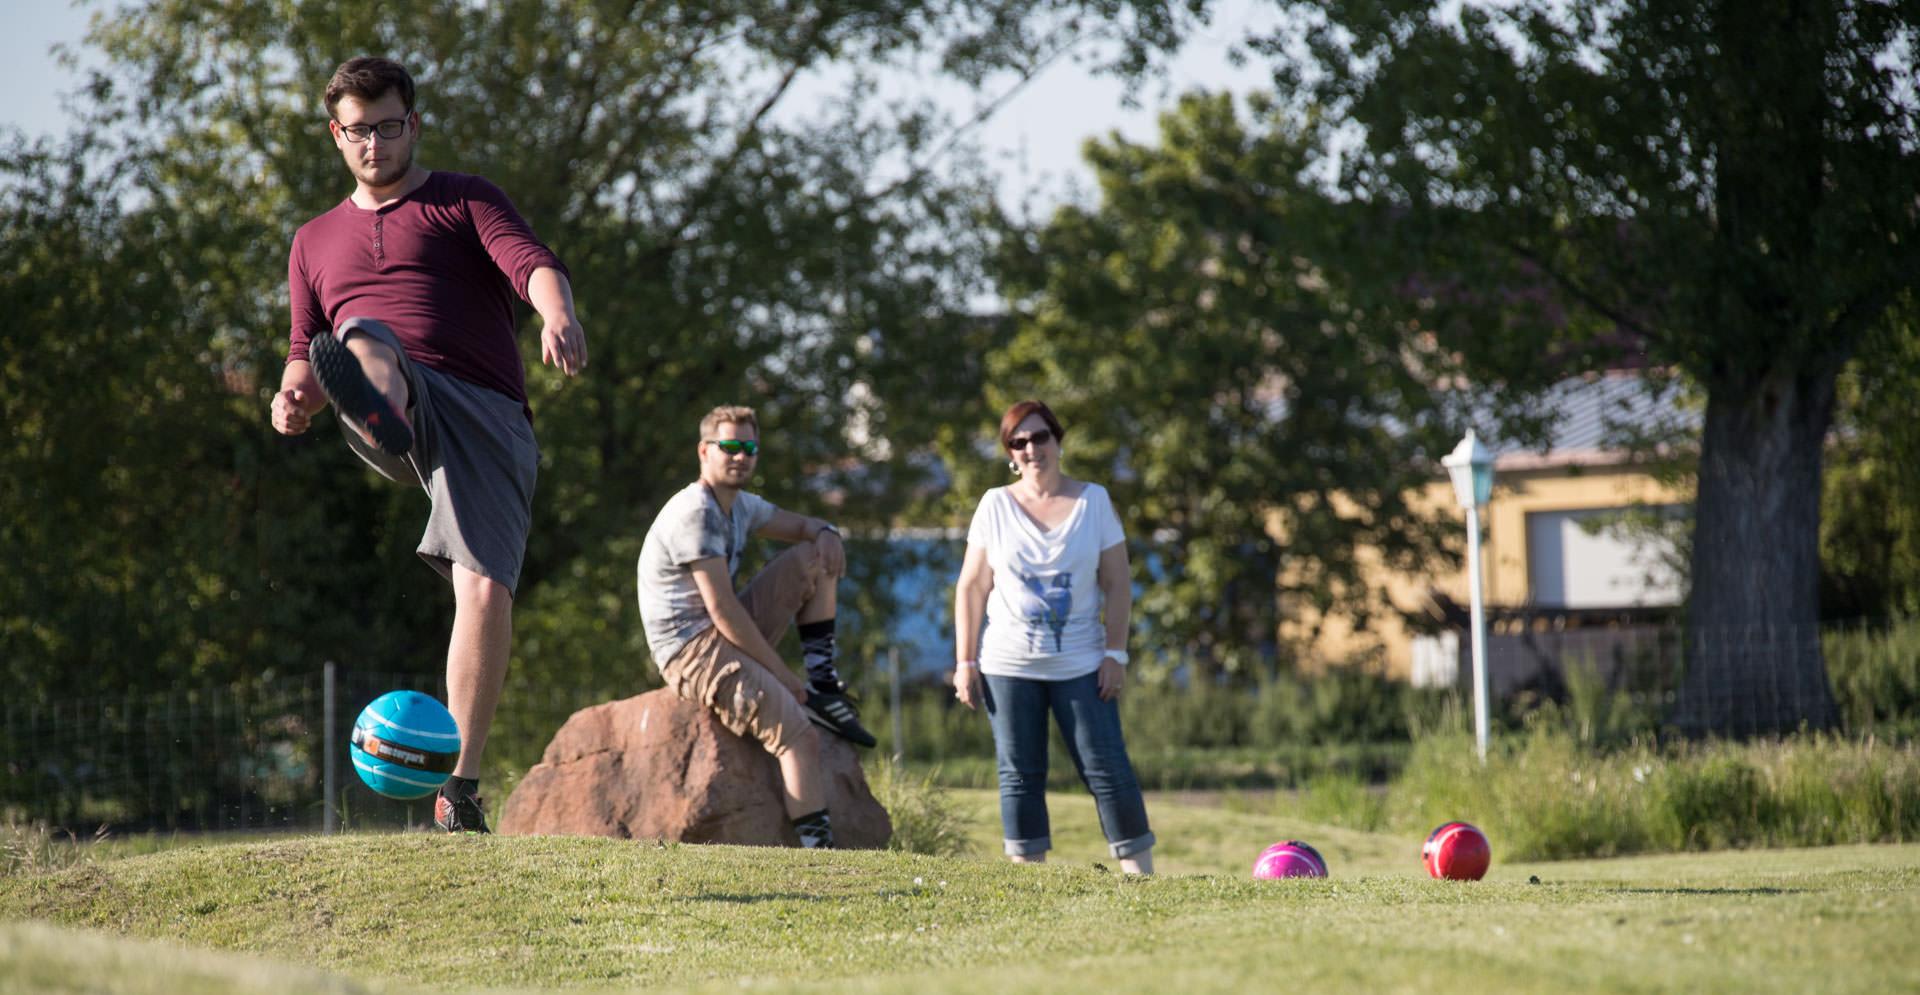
(893, 701)
(329, 819)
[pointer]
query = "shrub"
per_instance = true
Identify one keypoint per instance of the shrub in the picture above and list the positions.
(1876, 676)
(1544, 795)
(925, 819)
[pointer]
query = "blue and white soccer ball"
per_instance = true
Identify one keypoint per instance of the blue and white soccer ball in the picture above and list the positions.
(405, 744)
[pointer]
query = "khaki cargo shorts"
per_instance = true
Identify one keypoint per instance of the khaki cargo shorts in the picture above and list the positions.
(746, 698)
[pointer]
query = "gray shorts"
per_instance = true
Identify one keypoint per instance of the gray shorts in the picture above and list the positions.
(474, 452)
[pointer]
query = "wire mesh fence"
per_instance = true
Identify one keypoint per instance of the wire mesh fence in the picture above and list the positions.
(1736, 681)
(271, 754)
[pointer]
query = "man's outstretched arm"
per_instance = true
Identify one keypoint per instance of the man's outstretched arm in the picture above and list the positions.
(563, 342)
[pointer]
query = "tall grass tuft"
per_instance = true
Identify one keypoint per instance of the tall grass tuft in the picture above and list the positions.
(28, 848)
(1343, 800)
(1545, 795)
(1541, 794)
(925, 817)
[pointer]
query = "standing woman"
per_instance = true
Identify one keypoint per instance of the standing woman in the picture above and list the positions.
(1045, 555)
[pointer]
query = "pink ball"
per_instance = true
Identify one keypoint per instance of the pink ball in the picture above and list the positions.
(1458, 852)
(1289, 859)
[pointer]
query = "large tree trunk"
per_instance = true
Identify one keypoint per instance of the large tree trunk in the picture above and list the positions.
(1754, 665)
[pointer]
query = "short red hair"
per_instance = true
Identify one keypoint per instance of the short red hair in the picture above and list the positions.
(1019, 412)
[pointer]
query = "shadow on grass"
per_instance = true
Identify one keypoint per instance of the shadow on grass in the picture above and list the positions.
(1713, 890)
(739, 899)
(733, 898)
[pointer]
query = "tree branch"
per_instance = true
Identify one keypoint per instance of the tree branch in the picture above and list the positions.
(1584, 296)
(684, 61)
(980, 116)
(745, 136)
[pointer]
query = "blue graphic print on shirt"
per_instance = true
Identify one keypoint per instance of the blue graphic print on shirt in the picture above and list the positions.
(1049, 604)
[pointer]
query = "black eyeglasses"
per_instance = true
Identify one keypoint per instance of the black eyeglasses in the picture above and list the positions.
(1039, 438)
(391, 128)
(734, 447)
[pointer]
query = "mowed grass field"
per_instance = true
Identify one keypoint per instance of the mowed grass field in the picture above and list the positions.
(425, 913)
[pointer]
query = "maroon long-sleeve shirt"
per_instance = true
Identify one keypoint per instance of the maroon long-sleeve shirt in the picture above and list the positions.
(440, 266)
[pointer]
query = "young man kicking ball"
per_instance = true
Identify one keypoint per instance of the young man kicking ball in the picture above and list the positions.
(715, 647)
(402, 301)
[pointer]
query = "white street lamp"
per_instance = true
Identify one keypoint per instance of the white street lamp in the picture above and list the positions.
(1471, 466)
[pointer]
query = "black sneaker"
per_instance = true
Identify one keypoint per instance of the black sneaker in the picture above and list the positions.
(836, 714)
(347, 386)
(459, 813)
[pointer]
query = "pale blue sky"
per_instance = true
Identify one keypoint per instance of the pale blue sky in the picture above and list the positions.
(1032, 143)
(28, 75)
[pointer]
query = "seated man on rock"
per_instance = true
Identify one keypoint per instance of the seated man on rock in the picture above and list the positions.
(715, 648)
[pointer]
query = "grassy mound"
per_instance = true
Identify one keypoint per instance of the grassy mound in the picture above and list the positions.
(408, 913)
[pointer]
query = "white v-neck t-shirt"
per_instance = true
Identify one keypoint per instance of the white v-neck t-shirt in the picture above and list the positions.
(1043, 616)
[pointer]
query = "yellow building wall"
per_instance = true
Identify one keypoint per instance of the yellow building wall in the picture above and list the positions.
(1386, 639)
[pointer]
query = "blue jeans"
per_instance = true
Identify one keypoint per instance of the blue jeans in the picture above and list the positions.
(1017, 707)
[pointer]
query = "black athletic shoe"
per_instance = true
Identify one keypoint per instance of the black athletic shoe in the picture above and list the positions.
(459, 813)
(836, 714)
(347, 386)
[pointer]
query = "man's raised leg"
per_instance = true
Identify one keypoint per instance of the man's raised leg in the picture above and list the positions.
(381, 367)
(361, 375)
(476, 670)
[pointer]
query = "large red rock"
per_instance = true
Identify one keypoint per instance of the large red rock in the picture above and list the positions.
(656, 767)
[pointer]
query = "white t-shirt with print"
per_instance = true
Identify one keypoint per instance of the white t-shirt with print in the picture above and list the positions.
(1043, 617)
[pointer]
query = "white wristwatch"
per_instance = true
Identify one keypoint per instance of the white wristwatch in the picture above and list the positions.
(1118, 656)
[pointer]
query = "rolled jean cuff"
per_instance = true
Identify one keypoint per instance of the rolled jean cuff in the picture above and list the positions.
(1127, 848)
(1037, 845)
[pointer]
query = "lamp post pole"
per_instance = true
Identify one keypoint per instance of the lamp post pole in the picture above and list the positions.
(1479, 620)
(1471, 467)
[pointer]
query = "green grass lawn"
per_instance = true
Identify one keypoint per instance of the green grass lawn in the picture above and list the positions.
(416, 912)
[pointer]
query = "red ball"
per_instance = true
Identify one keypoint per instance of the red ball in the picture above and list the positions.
(1289, 859)
(1458, 852)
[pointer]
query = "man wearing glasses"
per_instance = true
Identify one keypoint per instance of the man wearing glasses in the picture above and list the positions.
(402, 299)
(715, 647)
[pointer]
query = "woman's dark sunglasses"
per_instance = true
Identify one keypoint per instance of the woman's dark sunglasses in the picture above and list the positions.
(734, 447)
(1039, 438)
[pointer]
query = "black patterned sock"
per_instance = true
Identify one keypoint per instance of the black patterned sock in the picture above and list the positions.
(816, 650)
(816, 831)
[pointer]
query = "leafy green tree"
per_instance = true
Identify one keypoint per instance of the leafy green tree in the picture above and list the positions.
(1726, 186)
(1870, 528)
(727, 243)
(136, 480)
(1257, 424)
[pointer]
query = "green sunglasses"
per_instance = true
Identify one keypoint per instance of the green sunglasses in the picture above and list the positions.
(734, 447)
